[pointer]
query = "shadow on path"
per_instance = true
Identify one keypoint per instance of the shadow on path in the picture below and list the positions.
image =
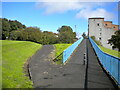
(97, 78)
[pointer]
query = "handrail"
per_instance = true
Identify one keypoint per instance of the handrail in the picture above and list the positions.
(109, 62)
(67, 52)
(107, 53)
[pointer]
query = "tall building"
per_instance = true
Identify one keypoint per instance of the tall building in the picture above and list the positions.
(102, 30)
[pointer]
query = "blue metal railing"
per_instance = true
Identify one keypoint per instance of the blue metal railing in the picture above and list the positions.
(109, 62)
(67, 52)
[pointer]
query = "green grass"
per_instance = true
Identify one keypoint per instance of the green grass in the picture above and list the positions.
(0, 65)
(59, 49)
(14, 56)
(109, 51)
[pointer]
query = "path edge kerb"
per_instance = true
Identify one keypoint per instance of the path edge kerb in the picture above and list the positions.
(49, 59)
(29, 59)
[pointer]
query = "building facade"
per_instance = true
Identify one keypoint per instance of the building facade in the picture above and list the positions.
(102, 30)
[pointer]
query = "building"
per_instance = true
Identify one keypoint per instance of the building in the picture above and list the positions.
(102, 30)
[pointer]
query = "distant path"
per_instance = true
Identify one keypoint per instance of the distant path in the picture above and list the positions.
(45, 74)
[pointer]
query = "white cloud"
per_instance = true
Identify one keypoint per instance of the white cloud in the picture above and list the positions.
(85, 10)
(76, 0)
(55, 7)
(61, 7)
(99, 12)
(59, 0)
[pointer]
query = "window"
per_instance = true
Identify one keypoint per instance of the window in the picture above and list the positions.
(100, 34)
(105, 24)
(98, 24)
(99, 38)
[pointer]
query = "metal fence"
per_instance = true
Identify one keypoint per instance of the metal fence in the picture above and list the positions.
(110, 63)
(67, 52)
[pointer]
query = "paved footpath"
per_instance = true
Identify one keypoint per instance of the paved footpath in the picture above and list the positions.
(45, 74)
(97, 78)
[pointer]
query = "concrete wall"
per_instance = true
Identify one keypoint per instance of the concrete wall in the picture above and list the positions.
(97, 28)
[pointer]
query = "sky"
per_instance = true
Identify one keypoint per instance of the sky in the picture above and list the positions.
(49, 16)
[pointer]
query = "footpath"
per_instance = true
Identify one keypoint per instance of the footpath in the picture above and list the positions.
(45, 74)
(97, 78)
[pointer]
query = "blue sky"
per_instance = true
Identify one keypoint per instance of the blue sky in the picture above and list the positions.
(52, 15)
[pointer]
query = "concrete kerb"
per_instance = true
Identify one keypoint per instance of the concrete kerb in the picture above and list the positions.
(29, 72)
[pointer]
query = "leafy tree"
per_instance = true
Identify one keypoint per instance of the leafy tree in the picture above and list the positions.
(15, 30)
(96, 41)
(5, 28)
(66, 34)
(8, 26)
(84, 35)
(115, 40)
(49, 38)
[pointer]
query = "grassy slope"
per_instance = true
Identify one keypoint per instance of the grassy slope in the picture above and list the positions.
(0, 65)
(59, 49)
(109, 51)
(14, 55)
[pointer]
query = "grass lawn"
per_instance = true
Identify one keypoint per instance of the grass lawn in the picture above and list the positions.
(109, 51)
(14, 55)
(0, 66)
(59, 49)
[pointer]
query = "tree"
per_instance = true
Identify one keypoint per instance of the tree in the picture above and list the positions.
(96, 41)
(29, 34)
(8, 26)
(5, 28)
(66, 34)
(115, 40)
(84, 35)
(49, 38)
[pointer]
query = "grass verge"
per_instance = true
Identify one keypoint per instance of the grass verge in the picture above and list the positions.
(109, 51)
(14, 56)
(59, 49)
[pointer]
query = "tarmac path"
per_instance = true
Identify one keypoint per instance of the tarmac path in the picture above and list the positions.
(97, 78)
(45, 74)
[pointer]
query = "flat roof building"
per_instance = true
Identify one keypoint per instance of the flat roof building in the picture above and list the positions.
(102, 30)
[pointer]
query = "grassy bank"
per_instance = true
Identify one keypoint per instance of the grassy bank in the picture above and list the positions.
(59, 49)
(14, 55)
(109, 51)
(0, 65)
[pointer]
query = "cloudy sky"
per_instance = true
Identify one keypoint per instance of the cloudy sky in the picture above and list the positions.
(51, 15)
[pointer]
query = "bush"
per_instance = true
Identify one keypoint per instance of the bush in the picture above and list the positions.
(96, 41)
